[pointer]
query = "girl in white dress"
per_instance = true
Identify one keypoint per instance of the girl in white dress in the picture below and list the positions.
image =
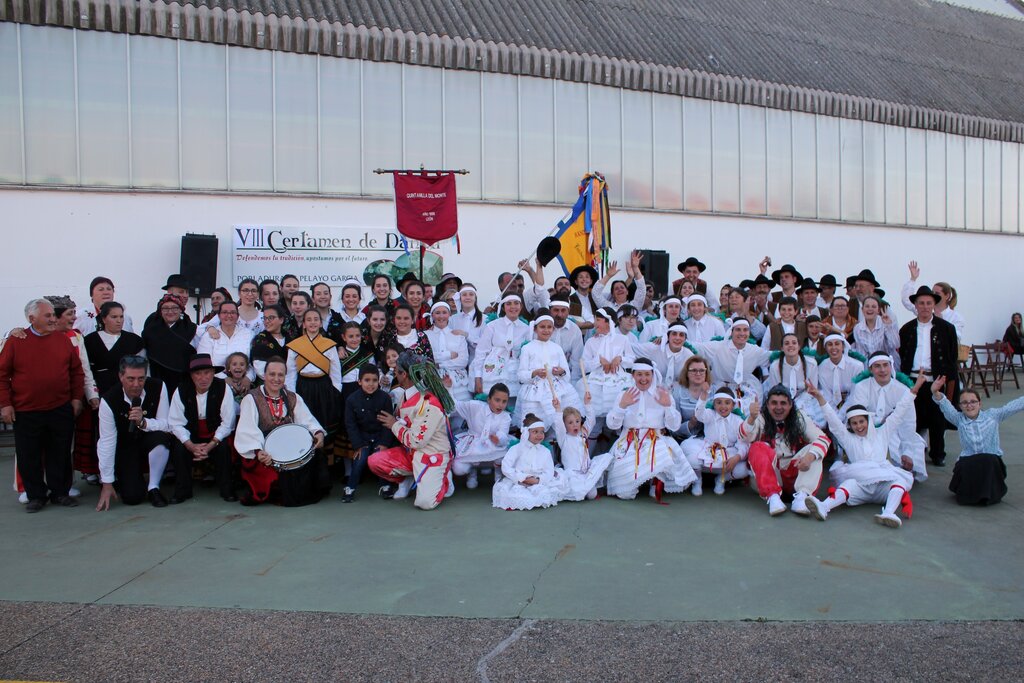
(497, 353)
(723, 453)
(451, 352)
(469, 320)
(581, 473)
(543, 374)
(643, 451)
(872, 475)
(529, 476)
(485, 442)
(793, 369)
(607, 358)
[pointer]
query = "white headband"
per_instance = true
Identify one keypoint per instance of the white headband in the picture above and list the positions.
(558, 303)
(722, 394)
(880, 359)
(537, 425)
(467, 288)
(696, 297)
(508, 298)
(672, 299)
(739, 322)
(642, 366)
(352, 283)
(601, 312)
(835, 337)
(678, 327)
(439, 304)
(543, 318)
(857, 412)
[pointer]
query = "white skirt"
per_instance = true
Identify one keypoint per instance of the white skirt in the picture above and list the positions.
(459, 389)
(511, 495)
(605, 390)
(867, 473)
(579, 484)
(472, 449)
(638, 459)
(535, 398)
(499, 367)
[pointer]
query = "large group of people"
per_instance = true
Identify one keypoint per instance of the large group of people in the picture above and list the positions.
(597, 385)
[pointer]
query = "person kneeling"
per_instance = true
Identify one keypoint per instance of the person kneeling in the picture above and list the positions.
(870, 476)
(263, 410)
(201, 417)
(133, 434)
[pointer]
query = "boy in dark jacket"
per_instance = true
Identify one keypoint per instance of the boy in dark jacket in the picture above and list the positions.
(365, 432)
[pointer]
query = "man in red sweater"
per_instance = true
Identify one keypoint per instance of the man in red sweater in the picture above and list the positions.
(42, 386)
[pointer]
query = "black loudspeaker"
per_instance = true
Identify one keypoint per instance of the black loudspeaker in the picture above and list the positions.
(199, 264)
(655, 269)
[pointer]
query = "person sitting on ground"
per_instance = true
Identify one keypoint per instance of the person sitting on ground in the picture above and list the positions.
(723, 453)
(529, 478)
(979, 475)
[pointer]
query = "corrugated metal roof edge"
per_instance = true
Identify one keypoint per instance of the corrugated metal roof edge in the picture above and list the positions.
(309, 36)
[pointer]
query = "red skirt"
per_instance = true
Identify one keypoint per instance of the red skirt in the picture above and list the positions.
(83, 453)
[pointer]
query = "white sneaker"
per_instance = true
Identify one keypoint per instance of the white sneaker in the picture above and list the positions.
(698, 487)
(23, 498)
(73, 492)
(889, 519)
(799, 505)
(816, 508)
(471, 480)
(775, 505)
(719, 486)
(451, 485)
(404, 487)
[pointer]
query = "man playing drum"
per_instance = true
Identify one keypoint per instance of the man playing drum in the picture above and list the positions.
(424, 458)
(263, 410)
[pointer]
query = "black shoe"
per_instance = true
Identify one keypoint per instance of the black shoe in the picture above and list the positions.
(231, 498)
(175, 499)
(348, 495)
(387, 492)
(941, 462)
(156, 498)
(34, 505)
(66, 501)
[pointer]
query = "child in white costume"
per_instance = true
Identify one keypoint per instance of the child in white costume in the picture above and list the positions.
(793, 369)
(581, 473)
(721, 451)
(607, 357)
(872, 474)
(451, 352)
(544, 374)
(642, 452)
(485, 442)
(530, 479)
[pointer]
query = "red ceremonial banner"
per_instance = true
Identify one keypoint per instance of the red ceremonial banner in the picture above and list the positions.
(426, 206)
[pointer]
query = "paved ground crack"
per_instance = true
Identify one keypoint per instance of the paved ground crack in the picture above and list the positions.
(481, 666)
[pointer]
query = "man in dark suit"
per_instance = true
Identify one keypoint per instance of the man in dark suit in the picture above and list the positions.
(928, 346)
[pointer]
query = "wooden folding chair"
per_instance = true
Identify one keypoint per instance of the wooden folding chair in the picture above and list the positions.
(1006, 362)
(977, 371)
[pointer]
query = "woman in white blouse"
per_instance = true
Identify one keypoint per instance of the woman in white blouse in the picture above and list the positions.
(230, 338)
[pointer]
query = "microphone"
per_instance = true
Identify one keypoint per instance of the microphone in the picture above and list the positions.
(136, 402)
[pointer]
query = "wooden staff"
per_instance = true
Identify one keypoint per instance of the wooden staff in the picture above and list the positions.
(583, 375)
(551, 381)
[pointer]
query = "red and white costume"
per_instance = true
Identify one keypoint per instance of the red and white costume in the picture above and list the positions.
(773, 460)
(425, 451)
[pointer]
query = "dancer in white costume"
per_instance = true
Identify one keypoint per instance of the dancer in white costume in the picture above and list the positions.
(872, 475)
(497, 352)
(607, 358)
(722, 452)
(643, 450)
(486, 439)
(451, 352)
(544, 374)
(530, 479)
(581, 473)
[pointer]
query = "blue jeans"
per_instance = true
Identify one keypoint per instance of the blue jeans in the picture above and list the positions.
(359, 466)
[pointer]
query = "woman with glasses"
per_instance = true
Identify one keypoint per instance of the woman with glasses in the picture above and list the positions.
(231, 338)
(271, 342)
(979, 475)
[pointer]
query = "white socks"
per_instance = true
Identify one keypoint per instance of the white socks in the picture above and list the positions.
(893, 501)
(157, 462)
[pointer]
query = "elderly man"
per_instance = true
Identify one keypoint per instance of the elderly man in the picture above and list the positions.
(202, 417)
(176, 287)
(786, 450)
(42, 386)
(424, 457)
(133, 434)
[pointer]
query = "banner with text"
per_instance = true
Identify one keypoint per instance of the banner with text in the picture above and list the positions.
(331, 254)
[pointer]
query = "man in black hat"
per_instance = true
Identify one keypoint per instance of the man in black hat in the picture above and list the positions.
(581, 302)
(133, 433)
(176, 287)
(928, 346)
(807, 295)
(202, 415)
(787, 278)
(827, 284)
(760, 290)
(691, 269)
(864, 285)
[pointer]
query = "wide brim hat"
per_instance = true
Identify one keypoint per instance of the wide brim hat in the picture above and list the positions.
(828, 280)
(176, 280)
(807, 284)
(787, 268)
(762, 279)
(594, 277)
(923, 290)
(692, 261)
(867, 276)
(449, 277)
(203, 361)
